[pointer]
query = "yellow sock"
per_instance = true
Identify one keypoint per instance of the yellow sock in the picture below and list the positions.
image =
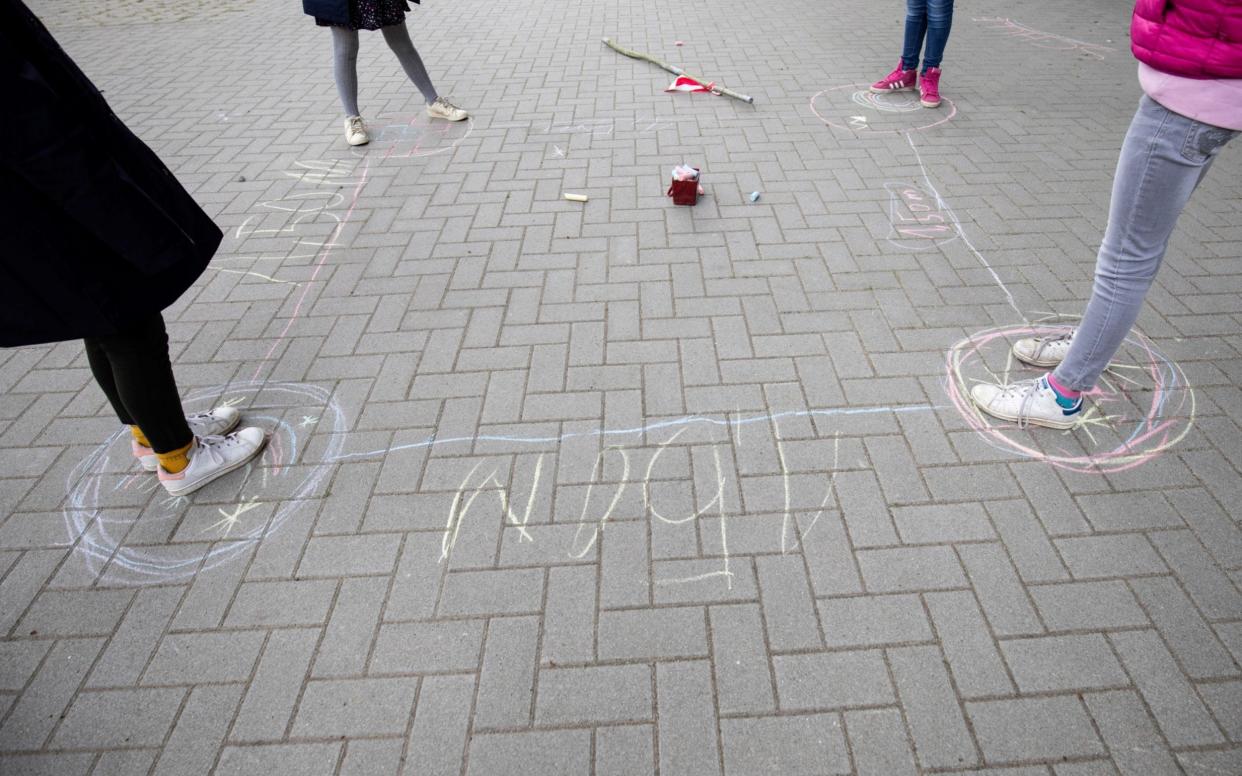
(177, 460)
(139, 437)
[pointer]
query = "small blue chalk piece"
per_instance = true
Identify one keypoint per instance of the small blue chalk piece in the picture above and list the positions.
(754, 196)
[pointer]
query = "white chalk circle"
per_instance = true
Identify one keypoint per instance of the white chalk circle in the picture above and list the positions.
(856, 108)
(408, 136)
(175, 538)
(890, 102)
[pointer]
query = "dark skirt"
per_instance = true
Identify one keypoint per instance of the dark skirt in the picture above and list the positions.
(372, 14)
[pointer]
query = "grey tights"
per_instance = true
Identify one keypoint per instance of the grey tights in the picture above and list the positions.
(345, 63)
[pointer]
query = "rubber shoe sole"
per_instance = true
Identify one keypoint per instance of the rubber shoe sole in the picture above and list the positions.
(443, 109)
(1043, 363)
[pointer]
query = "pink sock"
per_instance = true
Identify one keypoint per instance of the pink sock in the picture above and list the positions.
(1068, 393)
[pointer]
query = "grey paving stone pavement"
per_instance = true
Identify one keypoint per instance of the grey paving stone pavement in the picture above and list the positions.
(617, 487)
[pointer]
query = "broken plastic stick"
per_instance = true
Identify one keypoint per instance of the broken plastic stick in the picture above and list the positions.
(610, 43)
(576, 197)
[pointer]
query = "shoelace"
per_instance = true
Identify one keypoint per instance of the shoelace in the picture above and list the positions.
(1044, 342)
(355, 124)
(212, 444)
(199, 419)
(446, 104)
(1031, 388)
(1027, 389)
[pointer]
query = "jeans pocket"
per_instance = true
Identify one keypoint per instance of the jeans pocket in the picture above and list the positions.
(1204, 141)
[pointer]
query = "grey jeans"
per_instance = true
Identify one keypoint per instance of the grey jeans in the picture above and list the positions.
(1163, 158)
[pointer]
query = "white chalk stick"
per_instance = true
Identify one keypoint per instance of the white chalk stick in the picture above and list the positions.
(576, 197)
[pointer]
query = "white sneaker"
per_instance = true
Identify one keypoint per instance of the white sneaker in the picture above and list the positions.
(1030, 402)
(217, 422)
(443, 109)
(213, 457)
(356, 131)
(1046, 352)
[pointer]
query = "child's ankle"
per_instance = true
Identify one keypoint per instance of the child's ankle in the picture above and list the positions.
(139, 437)
(1060, 388)
(176, 460)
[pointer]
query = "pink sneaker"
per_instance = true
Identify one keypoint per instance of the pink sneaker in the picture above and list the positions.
(929, 88)
(897, 81)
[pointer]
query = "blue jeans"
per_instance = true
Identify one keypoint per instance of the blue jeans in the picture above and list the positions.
(930, 18)
(1163, 158)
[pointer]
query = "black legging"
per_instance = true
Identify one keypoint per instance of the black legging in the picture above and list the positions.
(133, 369)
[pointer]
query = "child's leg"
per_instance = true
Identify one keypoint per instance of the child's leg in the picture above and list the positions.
(1163, 158)
(939, 21)
(398, 39)
(133, 369)
(101, 368)
(345, 67)
(916, 28)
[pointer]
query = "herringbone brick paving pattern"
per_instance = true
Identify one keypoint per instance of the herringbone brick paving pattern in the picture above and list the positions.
(623, 488)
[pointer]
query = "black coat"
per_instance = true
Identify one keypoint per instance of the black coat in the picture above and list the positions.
(97, 233)
(334, 11)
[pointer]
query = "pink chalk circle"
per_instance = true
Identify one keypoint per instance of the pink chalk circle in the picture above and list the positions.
(1139, 371)
(857, 114)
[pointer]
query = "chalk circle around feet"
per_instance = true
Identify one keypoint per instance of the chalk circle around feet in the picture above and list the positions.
(405, 136)
(855, 108)
(1141, 408)
(175, 538)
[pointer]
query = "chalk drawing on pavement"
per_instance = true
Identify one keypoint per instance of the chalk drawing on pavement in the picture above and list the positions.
(854, 108)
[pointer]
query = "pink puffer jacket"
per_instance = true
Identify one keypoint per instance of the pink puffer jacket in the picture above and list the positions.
(1192, 38)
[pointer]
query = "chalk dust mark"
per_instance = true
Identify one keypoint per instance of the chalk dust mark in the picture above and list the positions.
(832, 485)
(1021, 31)
(297, 308)
(647, 488)
(961, 233)
(724, 536)
(230, 519)
(913, 224)
(453, 526)
(268, 278)
(598, 528)
(780, 455)
(720, 511)
(638, 431)
(523, 534)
